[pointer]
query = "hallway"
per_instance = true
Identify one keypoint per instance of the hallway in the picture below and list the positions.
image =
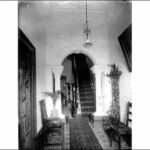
(80, 130)
(56, 60)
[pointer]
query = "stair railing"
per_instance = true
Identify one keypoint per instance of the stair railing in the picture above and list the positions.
(77, 87)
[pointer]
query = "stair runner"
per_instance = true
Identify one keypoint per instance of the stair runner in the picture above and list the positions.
(87, 98)
(82, 136)
(86, 89)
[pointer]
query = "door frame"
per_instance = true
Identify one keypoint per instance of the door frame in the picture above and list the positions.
(31, 48)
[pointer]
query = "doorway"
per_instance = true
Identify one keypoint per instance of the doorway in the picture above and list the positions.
(78, 85)
(26, 92)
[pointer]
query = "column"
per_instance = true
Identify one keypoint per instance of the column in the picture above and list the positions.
(57, 70)
(97, 70)
(49, 87)
(49, 79)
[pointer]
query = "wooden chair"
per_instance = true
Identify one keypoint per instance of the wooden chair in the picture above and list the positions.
(51, 135)
(121, 129)
(129, 114)
(42, 134)
(43, 113)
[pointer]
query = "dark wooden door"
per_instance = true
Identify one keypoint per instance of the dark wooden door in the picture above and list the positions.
(26, 92)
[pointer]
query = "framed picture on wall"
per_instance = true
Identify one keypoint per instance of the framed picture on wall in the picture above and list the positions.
(125, 40)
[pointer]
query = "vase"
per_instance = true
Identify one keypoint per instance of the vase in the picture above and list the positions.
(55, 120)
(54, 113)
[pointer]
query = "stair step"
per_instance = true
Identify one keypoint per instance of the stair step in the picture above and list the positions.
(86, 114)
(83, 102)
(85, 88)
(87, 93)
(91, 88)
(85, 105)
(88, 109)
(85, 85)
(87, 98)
(90, 101)
(84, 80)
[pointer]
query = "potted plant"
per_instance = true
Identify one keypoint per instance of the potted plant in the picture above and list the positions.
(54, 95)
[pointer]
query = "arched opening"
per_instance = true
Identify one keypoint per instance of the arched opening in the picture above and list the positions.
(87, 54)
(78, 86)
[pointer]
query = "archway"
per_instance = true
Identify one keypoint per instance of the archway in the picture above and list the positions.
(89, 55)
(78, 85)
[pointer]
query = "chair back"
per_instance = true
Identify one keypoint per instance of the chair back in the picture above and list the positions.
(129, 114)
(43, 111)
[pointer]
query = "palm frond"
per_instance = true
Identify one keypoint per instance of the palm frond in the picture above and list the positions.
(52, 95)
(48, 94)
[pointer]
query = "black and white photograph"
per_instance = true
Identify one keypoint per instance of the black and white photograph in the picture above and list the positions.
(74, 75)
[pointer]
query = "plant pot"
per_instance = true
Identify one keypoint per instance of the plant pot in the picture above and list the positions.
(54, 113)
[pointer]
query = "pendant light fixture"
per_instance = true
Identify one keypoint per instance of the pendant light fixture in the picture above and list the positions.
(87, 31)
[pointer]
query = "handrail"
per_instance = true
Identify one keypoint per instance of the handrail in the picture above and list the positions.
(77, 86)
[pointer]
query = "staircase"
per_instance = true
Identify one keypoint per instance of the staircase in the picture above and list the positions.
(87, 97)
(86, 88)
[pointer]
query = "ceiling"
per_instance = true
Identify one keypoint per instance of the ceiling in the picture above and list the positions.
(45, 17)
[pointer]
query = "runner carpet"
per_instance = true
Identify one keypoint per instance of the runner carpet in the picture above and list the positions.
(82, 136)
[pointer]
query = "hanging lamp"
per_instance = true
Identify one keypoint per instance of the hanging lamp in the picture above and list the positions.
(87, 31)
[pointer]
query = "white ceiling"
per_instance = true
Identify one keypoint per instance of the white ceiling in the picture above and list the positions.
(45, 17)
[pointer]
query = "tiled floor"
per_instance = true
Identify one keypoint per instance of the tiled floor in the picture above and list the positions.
(66, 143)
(103, 138)
(101, 135)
